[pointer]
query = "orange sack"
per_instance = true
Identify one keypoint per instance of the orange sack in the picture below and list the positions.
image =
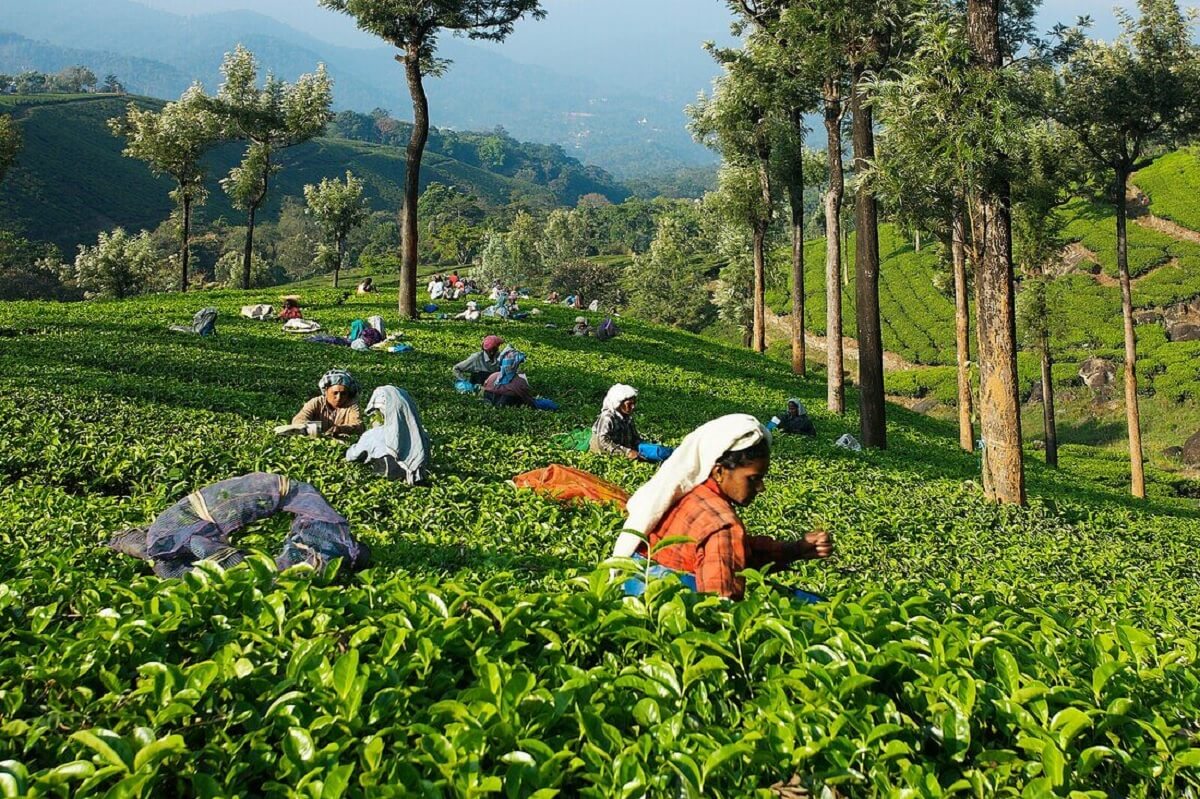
(568, 484)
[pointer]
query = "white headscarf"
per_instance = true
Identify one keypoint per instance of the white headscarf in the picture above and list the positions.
(618, 394)
(688, 467)
(402, 436)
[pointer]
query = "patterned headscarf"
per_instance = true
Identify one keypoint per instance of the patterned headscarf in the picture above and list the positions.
(800, 409)
(510, 361)
(338, 377)
(491, 342)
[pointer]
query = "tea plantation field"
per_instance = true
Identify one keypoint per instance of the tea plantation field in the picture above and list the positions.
(966, 650)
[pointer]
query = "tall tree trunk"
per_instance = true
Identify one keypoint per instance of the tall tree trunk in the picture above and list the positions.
(184, 239)
(412, 182)
(1132, 417)
(962, 331)
(866, 276)
(999, 404)
(835, 383)
(248, 252)
(761, 227)
(759, 328)
(341, 260)
(248, 249)
(796, 200)
(1049, 426)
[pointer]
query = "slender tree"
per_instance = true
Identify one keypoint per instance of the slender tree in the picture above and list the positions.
(338, 207)
(173, 142)
(412, 27)
(271, 118)
(740, 120)
(1127, 102)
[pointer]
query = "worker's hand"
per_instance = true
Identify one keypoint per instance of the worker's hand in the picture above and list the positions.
(817, 544)
(632, 454)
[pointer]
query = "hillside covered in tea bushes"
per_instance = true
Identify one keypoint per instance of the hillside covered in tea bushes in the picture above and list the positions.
(965, 650)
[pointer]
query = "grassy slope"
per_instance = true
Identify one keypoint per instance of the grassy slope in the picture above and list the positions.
(71, 181)
(129, 417)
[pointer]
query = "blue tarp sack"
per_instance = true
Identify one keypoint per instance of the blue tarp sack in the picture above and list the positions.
(400, 348)
(430, 308)
(807, 598)
(636, 585)
(543, 404)
(655, 453)
(464, 386)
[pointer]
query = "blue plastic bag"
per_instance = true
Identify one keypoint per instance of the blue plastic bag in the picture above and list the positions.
(464, 386)
(655, 453)
(806, 598)
(430, 308)
(543, 404)
(400, 348)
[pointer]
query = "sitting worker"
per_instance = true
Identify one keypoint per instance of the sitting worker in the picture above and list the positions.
(472, 312)
(614, 432)
(718, 467)
(367, 286)
(398, 447)
(198, 527)
(581, 328)
(334, 412)
(795, 420)
(552, 298)
(482, 363)
(291, 309)
(507, 387)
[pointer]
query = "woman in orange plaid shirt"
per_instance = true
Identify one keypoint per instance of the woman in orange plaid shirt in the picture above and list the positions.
(719, 466)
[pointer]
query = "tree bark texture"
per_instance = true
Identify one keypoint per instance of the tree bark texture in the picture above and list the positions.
(835, 382)
(759, 327)
(1132, 418)
(761, 227)
(412, 183)
(872, 418)
(796, 200)
(184, 236)
(1050, 428)
(248, 251)
(341, 261)
(962, 332)
(999, 403)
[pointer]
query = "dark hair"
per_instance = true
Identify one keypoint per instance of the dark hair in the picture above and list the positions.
(738, 457)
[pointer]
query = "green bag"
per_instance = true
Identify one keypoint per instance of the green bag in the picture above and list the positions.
(578, 440)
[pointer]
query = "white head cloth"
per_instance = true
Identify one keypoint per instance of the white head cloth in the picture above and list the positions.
(688, 467)
(618, 394)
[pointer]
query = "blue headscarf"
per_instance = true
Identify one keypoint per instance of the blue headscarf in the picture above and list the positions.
(510, 361)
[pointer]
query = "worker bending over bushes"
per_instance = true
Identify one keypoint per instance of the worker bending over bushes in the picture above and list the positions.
(718, 467)
(198, 527)
(614, 432)
(334, 412)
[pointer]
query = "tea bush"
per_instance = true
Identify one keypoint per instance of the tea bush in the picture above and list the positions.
(966, 649)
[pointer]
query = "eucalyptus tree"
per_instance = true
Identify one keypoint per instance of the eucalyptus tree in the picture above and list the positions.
(173, 142)
(338, 208)
(780, 47)
(271, 118)
(1127, 102)
(740, 121)
(412, 27)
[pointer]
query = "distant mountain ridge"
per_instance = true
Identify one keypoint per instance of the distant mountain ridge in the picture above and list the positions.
(624, 133)
(71, 181)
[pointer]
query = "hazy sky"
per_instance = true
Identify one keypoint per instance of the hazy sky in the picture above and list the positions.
(651, 47)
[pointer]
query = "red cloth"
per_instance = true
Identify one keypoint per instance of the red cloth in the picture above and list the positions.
(719, 549)
(291, 313)
(567, 483)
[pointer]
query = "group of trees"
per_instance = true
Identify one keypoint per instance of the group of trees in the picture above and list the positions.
(268, 118)
(962, 124)
(71, 80)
